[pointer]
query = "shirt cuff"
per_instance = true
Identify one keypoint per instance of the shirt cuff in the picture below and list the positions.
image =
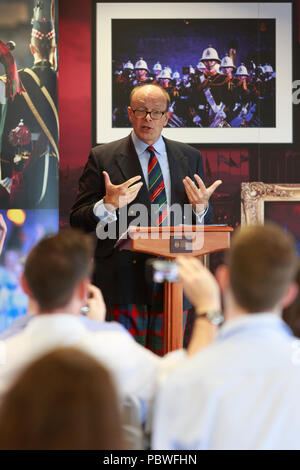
(200, 216)
(103, 213)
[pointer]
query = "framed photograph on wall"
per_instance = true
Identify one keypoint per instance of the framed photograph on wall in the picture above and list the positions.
(140, 43)
(279, 203)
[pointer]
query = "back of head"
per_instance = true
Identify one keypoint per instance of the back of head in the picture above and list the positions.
(64, 400)
(291, 314)
(56, 265)
(262, 264)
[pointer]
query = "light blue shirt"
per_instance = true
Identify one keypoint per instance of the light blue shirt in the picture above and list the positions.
(241, 392)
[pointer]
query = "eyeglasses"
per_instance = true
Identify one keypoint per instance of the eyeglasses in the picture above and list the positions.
(141, 113)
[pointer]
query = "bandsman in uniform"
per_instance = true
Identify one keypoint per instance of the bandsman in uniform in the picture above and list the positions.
(122, 86)
(227, 67)
(176, 78)
(211, 97)
(167, 83)
(141, 73)
(29, 153)
(267, 96)
(245, 97)
(157, 69)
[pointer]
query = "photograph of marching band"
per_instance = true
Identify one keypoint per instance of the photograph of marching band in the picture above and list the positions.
(218, 73)
(227, 68)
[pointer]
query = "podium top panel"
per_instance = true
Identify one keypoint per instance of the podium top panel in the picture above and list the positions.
(179, 229)
(167, 241)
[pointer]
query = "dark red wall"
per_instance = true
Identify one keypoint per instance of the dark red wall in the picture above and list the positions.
(74, 80)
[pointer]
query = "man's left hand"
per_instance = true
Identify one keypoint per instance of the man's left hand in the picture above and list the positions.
(199, 196)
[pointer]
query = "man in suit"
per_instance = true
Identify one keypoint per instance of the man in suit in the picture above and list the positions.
(119, 175)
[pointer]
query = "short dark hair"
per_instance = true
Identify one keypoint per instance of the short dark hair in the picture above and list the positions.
(64, 400)
(262, 263)
(164, 92)
(56, 265)
(291, 314)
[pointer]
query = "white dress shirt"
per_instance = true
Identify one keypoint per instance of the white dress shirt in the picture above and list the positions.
(241, 392)
(134, 368)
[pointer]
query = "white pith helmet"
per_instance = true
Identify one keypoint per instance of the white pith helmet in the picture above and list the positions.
(242, 70)
(128, 65)
(210, 54)
(227, 62)
(165, 74)
(268, 68)
(141, 65)
(157, 67)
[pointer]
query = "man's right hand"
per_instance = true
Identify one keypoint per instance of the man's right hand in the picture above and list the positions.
(119, 195)
(199, 285)
(96, 305)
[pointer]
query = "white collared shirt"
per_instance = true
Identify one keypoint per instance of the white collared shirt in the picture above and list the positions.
(241, 392)
(134, 368)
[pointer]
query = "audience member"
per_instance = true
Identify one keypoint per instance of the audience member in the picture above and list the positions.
(64, 400)
(240, 392)
(92, 315)
(56, 276)
(291, 314)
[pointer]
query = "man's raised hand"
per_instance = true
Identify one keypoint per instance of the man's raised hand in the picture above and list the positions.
(119, 195)
(199, 196)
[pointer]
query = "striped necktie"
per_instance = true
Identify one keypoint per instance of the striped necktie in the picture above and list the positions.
(157, 190)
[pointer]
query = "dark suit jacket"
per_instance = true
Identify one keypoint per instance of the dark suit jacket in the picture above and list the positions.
(121, 275)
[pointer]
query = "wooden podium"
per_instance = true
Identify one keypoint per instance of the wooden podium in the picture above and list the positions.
(169, 242)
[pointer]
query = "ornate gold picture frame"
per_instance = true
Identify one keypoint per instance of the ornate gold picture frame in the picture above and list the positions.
(255, 194)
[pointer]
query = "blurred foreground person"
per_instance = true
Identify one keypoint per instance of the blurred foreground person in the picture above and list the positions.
(291, 314)
(64, 400)
(57, 277)
(242, 391)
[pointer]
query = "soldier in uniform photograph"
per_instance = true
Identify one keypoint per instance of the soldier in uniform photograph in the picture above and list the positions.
(29, 141)
(211, 96)
(245, 96)
(142, 76)
(122, 86)
(157, 69)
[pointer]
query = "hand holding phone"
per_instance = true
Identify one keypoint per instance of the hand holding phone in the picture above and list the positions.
(95, 308)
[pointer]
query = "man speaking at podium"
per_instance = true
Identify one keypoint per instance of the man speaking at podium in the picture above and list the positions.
(143, 168)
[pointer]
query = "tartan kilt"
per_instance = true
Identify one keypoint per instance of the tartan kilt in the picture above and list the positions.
(144, 322)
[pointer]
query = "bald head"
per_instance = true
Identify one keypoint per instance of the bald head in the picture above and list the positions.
(148, 98)
(145, 91)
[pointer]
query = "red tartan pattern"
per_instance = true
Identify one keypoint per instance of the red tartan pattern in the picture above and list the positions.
(145, 323)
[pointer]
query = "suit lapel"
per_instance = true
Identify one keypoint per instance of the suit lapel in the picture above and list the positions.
(179, 168)
(128, 162)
